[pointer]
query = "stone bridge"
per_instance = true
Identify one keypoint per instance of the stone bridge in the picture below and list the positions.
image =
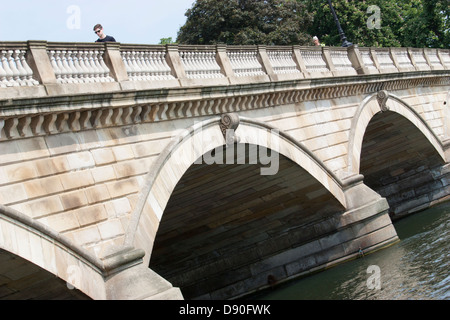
(209, 172)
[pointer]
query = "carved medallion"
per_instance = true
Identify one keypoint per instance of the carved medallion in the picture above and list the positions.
(228, 125)
(382, 97)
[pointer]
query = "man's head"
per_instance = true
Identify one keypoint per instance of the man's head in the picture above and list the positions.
(316, 41)
(98, 29)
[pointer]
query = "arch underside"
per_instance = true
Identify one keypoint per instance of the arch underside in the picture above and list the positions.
(401, 164)
(223, 219)
(21, 279)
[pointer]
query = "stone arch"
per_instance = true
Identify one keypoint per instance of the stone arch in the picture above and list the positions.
(381, 102)
(185, 149)
(37, 243)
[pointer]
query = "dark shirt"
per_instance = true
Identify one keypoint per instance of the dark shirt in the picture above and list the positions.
(106, 39)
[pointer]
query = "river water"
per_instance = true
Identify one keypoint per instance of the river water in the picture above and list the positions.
(416, 268)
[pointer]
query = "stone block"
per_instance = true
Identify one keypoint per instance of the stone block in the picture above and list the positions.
(85, 235)
(103, 156)
(301, 265)
(12, 193)
(80, 160)
(61, 222)
(121, 206)
(62, 143)
(74, 199)
(131, 168)
(97, 193)
(51, 166)
(110, 229)
(103, 174)
(124, 152)
(78, 179)
(18, 172)
(41, 207)
(33, 148)
(91, 214)
(123, 187)
(43, 187)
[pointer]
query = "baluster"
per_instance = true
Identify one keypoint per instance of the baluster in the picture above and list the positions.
(21, 78)
(28, 71)
(15, 81)
(102, 74)
(74, 73)
(3, 81)
(13, 67)
(84, 70)
(150, 60)
(77, 66)
(65, 58)
(93, 71)
(96, 72)
(151, 66)
(136, 66)
(55, 66)
(64, 72)
(141, 67)
(200, 65)
(9, 74)
(130, 68)
(162, 67)
(105, 67)
(197, 62)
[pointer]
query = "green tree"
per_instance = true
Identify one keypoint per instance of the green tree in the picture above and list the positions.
(166, 40)
(354, 17)
(426, 24)
(244, 22)
(416, 23)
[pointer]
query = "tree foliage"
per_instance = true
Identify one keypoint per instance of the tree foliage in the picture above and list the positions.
(415, 23)
(406, 23)
(243, 22)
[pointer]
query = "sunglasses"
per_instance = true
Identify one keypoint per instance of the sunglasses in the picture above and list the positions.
(97, 31)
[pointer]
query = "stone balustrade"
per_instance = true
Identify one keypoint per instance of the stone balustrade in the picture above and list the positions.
(43, 68)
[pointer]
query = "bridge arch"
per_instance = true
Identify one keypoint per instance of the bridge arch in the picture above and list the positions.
(31, 240)
(382, 102)
(190, 144)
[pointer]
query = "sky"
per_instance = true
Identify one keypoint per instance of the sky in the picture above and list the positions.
(128, 21)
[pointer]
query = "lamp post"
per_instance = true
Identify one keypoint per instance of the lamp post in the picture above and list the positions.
(345, 43)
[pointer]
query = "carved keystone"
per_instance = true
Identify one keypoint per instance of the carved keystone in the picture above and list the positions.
(382, 97)
(228, 125)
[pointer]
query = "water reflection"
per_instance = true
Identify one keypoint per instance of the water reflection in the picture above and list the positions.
(417, 267)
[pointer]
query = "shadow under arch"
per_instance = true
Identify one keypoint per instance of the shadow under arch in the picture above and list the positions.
(373, 105)
(191, 144)
(47, 249)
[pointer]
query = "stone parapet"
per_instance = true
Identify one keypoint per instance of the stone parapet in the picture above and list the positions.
(42, 68)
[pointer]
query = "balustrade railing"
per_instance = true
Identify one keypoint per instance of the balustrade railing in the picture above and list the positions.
(37, 63)
(340, 59)
(200, 64)
(78, 64)
(14, 69)
(314, 60)
(146, 63)
(282, 60)
(244, 61)
(367, 59)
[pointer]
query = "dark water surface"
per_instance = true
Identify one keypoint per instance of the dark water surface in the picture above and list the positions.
(417, 267)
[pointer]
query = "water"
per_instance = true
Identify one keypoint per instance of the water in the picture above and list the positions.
(415, 268)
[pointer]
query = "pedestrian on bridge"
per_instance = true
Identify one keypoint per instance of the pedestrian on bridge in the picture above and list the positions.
(98, 29)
